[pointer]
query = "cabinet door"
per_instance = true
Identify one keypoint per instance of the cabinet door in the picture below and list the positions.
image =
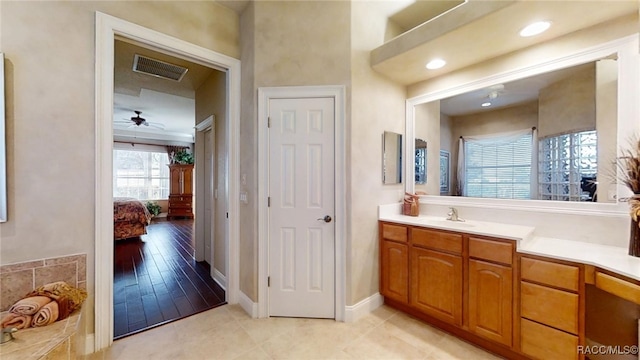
(175, 180)
(187, 180)
(436, 284)
(394, 271)
(490, 301)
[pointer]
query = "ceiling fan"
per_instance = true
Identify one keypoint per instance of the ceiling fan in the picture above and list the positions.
(138, 120)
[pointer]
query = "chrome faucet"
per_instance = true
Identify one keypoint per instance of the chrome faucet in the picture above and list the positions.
(453, 215)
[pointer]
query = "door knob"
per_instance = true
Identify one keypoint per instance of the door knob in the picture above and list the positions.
(326, 219)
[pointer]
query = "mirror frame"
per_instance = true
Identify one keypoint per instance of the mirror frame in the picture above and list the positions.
(627, 49)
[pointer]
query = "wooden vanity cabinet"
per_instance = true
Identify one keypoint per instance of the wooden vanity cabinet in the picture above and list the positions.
(490, 289)
(394, 262)
(436, 284)
(551, 308)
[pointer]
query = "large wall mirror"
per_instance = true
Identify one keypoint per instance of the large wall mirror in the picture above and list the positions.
(548, 132)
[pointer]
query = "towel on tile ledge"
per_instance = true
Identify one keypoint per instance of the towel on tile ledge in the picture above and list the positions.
(68, 297)
(16, 321)
(48, 303)
(29, 305)
(48, 314)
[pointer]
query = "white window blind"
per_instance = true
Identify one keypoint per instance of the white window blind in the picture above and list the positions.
(568, 165)
(142, 174)
(499, 167)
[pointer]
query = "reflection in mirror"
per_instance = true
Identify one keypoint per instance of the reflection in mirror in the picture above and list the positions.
(421, 161)
(391, 158)
(548, 137)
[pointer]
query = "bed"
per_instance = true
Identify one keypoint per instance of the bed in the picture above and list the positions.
(130, 218)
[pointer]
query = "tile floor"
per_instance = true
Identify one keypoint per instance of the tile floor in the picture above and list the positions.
(227, 332)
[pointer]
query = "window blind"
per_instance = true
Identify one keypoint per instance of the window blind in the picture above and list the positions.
(498, 168)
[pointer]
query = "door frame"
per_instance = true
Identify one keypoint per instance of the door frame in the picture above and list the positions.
(108, 28)
(202, 178)
(337, 92)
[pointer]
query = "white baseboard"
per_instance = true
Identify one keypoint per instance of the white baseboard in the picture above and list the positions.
(248, 305)
(220, 279)
(364, 307)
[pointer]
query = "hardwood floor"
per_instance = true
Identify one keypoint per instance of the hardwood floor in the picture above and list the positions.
(157, 280)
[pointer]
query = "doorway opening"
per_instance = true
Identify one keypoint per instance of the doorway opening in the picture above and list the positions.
(108, 30)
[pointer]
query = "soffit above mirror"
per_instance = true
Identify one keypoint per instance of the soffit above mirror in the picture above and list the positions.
(480, 30)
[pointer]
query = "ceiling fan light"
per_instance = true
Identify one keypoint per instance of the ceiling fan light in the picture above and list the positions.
(535, 28)
(435, 64)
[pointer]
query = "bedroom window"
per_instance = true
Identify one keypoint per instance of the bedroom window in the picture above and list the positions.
(497, 166)
(568, 167)
(143, 175)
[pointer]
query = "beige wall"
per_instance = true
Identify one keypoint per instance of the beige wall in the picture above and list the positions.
(568, 105)
(211, 100)
(450, 144)
(248, 244)
(377, 105)
(606, 125)
(283, 43)
(49, 52)
(428, 126)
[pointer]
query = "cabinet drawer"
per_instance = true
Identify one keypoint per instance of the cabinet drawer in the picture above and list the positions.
(394, 232)
(618, 287)
(543, 342)
(179, 211)
(549, 273)
(437, 240)
(552, 307)
(491, 250)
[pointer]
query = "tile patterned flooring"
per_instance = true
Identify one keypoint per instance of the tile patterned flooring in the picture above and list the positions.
(227, 332)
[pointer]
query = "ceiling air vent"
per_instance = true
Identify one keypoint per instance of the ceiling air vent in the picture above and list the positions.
(158, 68)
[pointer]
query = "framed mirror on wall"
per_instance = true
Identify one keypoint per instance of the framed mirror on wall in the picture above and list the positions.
(3, 157)
(391, 158)
(582, 106)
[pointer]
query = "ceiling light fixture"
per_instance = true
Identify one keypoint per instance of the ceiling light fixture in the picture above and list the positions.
(436, 64)
(535, 28)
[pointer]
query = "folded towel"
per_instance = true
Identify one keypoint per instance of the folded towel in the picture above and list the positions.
(16, 321)
(29, 305)
(48, 314)
(68, 297)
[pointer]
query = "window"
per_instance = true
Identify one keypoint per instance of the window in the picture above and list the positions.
(568, 166)
(498, 167)
(143, 175)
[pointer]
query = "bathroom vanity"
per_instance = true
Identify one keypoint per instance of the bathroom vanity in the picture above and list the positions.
(504, 289)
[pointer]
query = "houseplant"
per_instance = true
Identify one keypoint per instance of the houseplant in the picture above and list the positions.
(153, 207)
(629, 175)
(183, 157)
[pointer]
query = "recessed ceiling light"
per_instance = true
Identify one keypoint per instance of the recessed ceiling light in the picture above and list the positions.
(485, 104)
(436, 64)
(535, 28)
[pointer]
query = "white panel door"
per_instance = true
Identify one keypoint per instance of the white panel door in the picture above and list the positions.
(301, 191)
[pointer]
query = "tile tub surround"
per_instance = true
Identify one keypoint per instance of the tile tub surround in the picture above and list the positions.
(16, 280)
(528, 241)
(55, 341)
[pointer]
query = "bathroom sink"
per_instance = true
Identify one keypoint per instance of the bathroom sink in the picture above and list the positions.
(455, 224)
